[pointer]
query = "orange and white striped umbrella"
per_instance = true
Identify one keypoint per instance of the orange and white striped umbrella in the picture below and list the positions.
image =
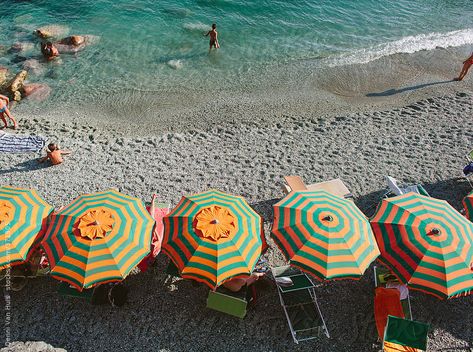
(426, 243)
(324, 235)
(97, 238)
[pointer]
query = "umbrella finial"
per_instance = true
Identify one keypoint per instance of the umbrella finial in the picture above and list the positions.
(328, 218)
(435, 231)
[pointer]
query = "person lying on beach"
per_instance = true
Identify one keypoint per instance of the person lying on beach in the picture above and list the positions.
(236, 284)
(466, 66)
(5, 112)
(49, 51)
(54, 154)
(213, 37)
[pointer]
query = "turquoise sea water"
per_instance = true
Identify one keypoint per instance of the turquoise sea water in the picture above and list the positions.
(159, 45)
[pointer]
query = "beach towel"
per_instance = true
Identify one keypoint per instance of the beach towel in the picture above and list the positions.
(14, 143)
(157, 239)
(386, 302)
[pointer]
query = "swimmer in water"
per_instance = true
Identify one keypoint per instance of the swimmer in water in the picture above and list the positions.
(49, 51)
(213, 37)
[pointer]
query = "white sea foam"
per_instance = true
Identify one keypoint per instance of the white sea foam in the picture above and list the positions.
(196, 26)
(175, 64)
(406, 45)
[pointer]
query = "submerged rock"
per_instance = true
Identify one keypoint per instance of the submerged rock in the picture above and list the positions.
(52, 31)
(75, 43)
(19, 47)
(36, 91)
(33, 66)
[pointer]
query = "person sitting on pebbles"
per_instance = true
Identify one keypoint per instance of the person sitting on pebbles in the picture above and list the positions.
(49, 51)
(4, 111)
(54, 154)
(237, 284)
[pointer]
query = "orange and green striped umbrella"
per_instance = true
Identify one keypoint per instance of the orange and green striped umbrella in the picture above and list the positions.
(426, 243)
(23, 216)
(98, 238)
(324, 235)
(212, 237)
(468, 205)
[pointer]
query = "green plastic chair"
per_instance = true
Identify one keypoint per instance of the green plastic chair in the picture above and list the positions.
(232, 303)
(300, 305)
(405, 333)
(383, 275)
(64, 289)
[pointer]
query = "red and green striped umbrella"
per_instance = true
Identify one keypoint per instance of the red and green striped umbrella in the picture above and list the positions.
(468, 205)
(23, 216)
(426, 243)
(98, 238)
(324, 235)
(212, 237)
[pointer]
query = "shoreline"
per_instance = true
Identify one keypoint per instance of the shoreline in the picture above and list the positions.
(287, 89)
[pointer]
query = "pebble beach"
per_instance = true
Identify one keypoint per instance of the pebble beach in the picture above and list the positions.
(419, 136)
(350, 90)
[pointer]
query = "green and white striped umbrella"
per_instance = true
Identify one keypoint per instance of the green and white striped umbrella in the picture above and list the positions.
(23, 215)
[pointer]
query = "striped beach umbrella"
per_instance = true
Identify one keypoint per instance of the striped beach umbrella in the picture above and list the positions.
(468, 205)
(426, 243)
(23, 216)
(212, 237)
(97, 238)
(324, 235)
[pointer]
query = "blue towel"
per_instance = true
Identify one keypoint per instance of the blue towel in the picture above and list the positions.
(14, 143)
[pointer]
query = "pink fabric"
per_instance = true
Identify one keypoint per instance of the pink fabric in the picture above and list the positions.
(157, 238)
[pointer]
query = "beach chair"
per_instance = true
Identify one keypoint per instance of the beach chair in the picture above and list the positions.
(21, 273)
(395, 190)
(335, 186)
(228, 302)
(64, 289)
(100, 294)
(299, 303)
(383, 277)
(405, 335)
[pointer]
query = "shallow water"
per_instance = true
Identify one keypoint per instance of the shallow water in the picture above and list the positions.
(159, 46)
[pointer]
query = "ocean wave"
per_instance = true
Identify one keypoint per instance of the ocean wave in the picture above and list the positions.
(406, 45)
(196, 26)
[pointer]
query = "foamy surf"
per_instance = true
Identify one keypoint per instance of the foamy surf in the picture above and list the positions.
(406, 45)
(196, 26)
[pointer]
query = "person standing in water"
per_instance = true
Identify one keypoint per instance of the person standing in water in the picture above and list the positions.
(466, 66)
(213, 37)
